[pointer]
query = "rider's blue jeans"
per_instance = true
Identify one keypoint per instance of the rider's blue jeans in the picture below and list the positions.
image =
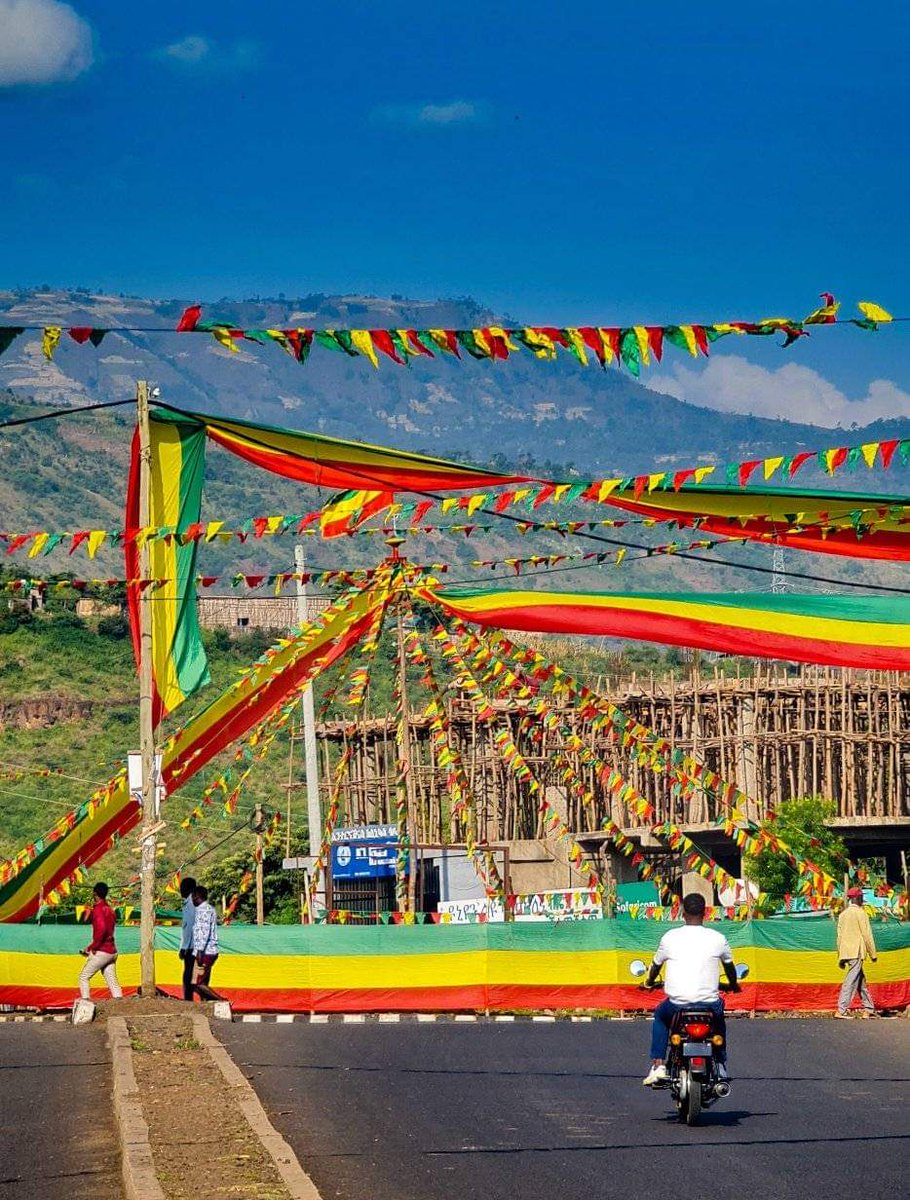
(660, 1028)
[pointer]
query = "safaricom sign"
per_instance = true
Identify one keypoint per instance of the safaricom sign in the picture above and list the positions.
(364, 851)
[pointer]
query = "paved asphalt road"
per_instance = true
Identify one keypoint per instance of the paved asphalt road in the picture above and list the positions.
(57, 1135)
(530, 1111)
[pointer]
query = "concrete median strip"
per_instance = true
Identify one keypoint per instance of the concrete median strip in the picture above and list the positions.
(139, 1178)
(295, 1179)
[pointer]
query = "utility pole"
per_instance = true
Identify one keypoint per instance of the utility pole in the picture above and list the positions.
(146, 725)
(405, 740)
(308, 712)
(260, 896)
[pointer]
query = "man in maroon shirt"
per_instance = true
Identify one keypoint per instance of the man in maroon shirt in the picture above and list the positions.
(101, 951)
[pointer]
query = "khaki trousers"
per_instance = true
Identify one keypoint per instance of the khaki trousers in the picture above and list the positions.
(105, 964)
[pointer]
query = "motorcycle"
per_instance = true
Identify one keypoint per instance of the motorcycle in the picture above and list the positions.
(693, 1076)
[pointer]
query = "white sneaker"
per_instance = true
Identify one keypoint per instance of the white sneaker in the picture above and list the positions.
(656, 1077)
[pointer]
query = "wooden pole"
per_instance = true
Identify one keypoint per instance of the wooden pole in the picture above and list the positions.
(405, 741)
(308, 714)
(260, 893)
(146, 723)
(406, 765)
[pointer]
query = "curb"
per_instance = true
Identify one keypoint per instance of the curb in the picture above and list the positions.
(19, 1018)
(139, 1178)
(295, 1179)
(410, 1018)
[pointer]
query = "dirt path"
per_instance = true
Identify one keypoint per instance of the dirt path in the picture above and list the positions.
(201, 1142)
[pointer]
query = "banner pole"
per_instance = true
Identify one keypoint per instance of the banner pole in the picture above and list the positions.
(146, 725)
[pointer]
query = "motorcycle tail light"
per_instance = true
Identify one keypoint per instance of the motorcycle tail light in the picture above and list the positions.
(717, 1040)
(698, 1029)
(698, 1062)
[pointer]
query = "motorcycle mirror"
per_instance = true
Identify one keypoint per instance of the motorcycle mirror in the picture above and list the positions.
(637, 968)
(741, 970)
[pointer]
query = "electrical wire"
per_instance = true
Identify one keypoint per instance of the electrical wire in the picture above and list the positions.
(54, 414)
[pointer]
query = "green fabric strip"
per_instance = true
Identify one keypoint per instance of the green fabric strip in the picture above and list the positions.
(624, 934)
(189, 654)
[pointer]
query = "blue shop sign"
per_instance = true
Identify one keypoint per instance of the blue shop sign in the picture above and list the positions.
(364, 851)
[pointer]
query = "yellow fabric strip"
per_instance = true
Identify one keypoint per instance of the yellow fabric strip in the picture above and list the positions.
(419, 971)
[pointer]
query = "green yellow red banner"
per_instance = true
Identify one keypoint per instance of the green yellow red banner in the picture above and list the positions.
(485, 967)
(849, 631)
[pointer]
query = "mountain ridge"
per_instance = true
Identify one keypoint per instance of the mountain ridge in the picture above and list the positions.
(595, 422)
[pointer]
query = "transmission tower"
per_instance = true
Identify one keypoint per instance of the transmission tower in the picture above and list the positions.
(779, 583)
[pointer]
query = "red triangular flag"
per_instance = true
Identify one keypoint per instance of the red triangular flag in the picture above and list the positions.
(189, 319)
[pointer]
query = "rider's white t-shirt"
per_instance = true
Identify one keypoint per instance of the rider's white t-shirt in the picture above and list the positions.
(693, 955)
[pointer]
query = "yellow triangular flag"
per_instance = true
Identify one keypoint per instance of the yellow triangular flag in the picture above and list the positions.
(869, 451)
(95, 541)
(50, 339)
(224, 337)
(364, 343)
(607, 486)
(770, 465)
(874, 312)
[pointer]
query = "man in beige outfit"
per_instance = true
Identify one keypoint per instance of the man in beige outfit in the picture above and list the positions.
(855, 944)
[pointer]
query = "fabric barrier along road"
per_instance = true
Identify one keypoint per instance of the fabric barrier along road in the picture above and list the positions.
(583, 965)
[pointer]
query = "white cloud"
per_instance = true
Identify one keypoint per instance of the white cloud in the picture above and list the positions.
(454, 112)
(731, 384)
(196, 51)
(41, 42)
(192, 49)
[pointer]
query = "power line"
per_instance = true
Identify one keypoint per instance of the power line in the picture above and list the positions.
(55, 413)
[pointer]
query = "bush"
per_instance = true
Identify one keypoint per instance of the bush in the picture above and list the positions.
(114, 627)
(802, 824)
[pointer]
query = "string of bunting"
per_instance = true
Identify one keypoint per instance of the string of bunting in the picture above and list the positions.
(10, 868)
(510, 754)
(841, 514)
(483, 650)
(657, 753)
(328, 828)
(540, 714)
(633, 346)
(248, 878)
(15, 773)
(403, 833)
(449, 762)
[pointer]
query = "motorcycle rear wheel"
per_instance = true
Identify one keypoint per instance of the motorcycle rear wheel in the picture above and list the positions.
(692, 1108)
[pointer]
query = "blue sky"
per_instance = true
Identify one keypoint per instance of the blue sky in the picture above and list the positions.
(579, 163)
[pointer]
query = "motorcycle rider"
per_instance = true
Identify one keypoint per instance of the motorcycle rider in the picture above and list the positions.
(692, 954)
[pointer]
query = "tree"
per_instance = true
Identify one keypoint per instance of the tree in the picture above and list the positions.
(803, 825)
(279, 887)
